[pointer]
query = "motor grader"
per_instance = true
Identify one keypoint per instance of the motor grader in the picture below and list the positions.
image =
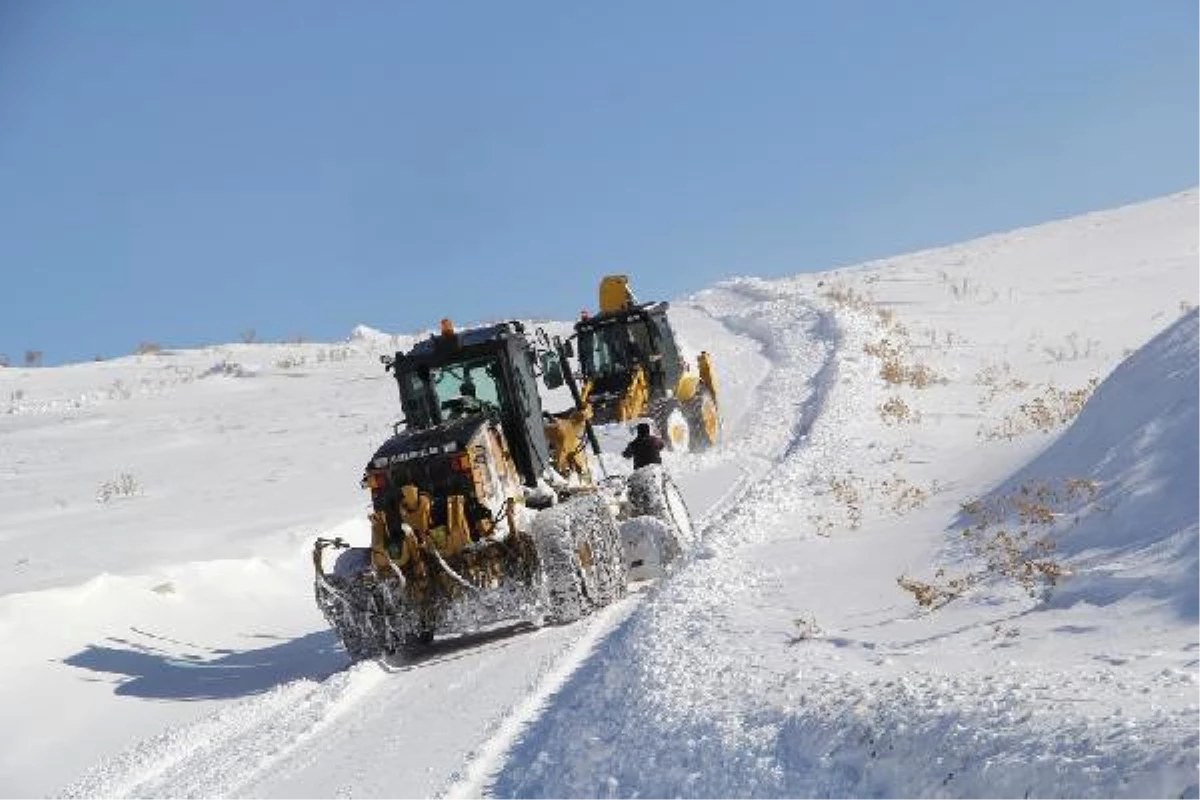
(484, 505)
(631, 368)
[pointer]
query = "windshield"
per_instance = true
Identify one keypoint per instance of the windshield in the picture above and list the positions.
(470, 379)
(456, 389)
(467, 386)
(613, 348)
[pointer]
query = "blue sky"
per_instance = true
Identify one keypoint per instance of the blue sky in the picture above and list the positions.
(181, 172)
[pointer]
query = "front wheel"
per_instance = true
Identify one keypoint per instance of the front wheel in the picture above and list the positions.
(579, 547)
(650, 544)
(672, 424)
(652, 493)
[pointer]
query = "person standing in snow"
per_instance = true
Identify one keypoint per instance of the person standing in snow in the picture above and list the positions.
(645, 447)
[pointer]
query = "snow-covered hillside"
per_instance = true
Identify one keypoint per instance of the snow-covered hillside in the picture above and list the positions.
(949, 549)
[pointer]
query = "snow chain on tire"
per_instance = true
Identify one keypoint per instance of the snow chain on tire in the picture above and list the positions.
(653, 493)
(580, 551)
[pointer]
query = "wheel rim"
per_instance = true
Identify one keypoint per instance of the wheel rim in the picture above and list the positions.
(712, 422)
(678, 434)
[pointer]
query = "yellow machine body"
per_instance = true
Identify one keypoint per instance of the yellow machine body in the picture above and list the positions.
(615, 294)
(639, 343)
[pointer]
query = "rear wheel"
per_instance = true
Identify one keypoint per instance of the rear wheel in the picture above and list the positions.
(703, 419)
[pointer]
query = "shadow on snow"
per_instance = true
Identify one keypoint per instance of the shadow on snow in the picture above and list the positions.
(153, 672)
(453, 648)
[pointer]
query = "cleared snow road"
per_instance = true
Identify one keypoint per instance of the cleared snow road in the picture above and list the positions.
(445, 723)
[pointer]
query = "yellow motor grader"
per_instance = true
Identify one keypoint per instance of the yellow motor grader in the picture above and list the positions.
(484, 506)
(632, 368)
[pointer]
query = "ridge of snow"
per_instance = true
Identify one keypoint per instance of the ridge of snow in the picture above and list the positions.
(1137, 438)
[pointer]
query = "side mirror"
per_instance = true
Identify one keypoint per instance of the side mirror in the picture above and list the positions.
(396, 426)
(388, 362)
(552, 373)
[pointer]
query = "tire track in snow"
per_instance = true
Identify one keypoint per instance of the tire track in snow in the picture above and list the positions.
(488, 757)
(802, 343)
(216, 755)
(523, 717)
(814, 404)
(696, 727)
(804, 367)
(797, 338)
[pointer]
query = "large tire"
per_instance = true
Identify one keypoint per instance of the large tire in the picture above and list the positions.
(610, 556)
(703, 419)
(579, 547)
(671, 425)
(651, 492)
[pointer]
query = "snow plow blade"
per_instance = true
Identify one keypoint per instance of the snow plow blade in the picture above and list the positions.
(380, 611)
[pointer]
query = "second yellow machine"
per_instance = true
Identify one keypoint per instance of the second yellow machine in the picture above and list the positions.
(632, 368)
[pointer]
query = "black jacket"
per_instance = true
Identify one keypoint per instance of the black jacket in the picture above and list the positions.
(644, 450)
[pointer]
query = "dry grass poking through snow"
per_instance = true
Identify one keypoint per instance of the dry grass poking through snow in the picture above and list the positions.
(1022, 553)
(124, 485)
(894, 495)
(902, 495)
(1071, 349)
(1013, 537)
(846, 297)
(895, 411)
(995, 379)
(898, 365)
(902, 370)
(1047, 411)
(896, 369)
(325, 355)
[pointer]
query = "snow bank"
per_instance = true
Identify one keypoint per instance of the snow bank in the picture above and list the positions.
(1136, 442)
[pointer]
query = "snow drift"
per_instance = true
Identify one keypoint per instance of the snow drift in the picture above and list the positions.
(1137, 440)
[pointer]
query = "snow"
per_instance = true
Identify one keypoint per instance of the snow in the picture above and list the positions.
(157, 513)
